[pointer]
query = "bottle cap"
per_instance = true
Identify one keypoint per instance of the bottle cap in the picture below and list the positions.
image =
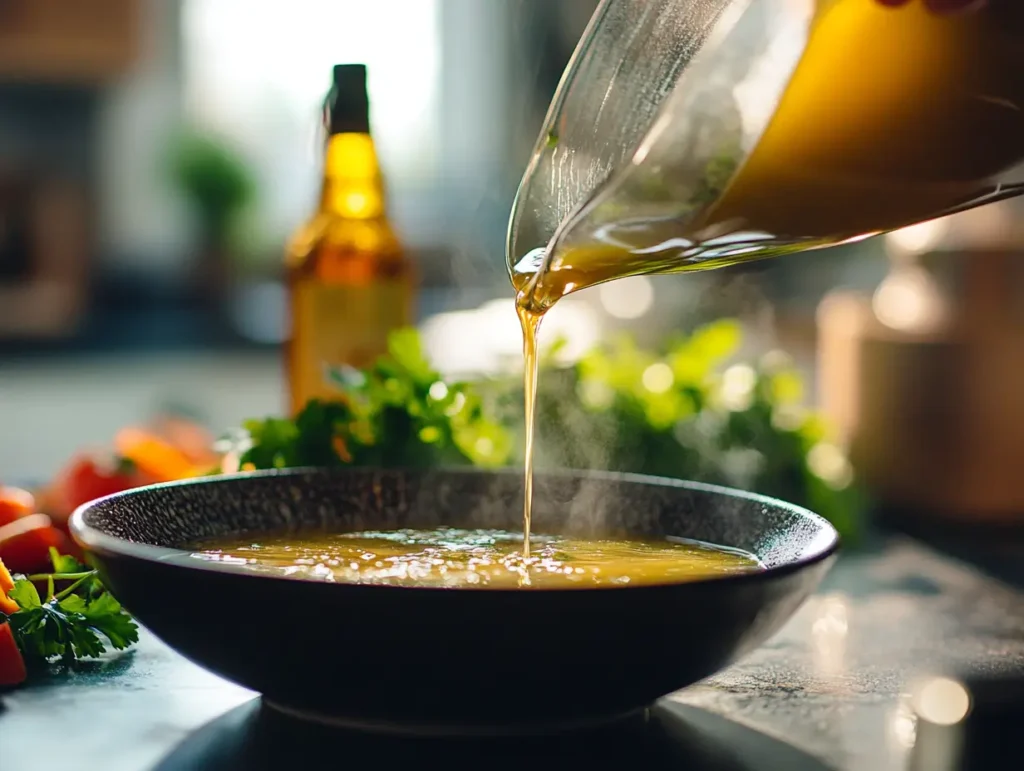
(347, 108)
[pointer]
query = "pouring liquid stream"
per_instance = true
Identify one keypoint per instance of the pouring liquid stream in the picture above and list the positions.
(530, 322)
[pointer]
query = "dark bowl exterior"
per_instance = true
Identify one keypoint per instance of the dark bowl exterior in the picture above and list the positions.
(442, 658)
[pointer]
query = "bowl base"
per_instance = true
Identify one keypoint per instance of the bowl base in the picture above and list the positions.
(455, 730)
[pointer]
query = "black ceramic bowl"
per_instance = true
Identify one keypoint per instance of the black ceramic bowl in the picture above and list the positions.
(451, 660)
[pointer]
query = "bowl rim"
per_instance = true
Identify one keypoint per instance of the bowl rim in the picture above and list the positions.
(822, 548)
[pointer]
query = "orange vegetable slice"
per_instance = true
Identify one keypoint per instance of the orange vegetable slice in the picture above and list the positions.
(154, 457)
(190, 439)
(7, 605)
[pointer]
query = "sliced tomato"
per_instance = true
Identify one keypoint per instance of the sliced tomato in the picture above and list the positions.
(7, 605)
(15, 503)
(25, 544)
(12, 665)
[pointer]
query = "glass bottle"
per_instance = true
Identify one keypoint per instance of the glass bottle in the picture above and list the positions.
(350, 282)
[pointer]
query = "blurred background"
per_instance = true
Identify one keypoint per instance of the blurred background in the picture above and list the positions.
(112, 307)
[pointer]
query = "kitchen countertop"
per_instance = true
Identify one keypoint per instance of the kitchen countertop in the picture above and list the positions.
(829, 691)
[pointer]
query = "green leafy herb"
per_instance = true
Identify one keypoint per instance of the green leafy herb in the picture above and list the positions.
(106, 615)
(689, 410)
(76, 622)
(63, 563)
(25, 594)
(398, 412)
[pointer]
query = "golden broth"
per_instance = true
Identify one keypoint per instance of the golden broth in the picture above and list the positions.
(477, 559)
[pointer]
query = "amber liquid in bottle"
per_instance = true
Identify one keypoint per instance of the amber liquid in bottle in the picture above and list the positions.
(349, 282)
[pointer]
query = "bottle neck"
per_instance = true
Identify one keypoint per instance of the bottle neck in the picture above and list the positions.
(353, 186)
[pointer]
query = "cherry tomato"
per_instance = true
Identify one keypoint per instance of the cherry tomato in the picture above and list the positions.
(25, 544)
(85, 479)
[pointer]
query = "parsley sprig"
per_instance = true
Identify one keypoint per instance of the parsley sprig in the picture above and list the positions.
(397, 413)
(77, 621)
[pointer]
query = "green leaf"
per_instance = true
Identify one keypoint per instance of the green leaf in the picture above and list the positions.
(718, 340)
(106, 614)
(272, 431)
(73, 603)
(63, 563)
(549, 355)
(486, 444)
(271, 443)
(83, 641)
(24, 593)
(317, 427)
(787, 387)
(405, 347)
(30, 632)
(814, 430)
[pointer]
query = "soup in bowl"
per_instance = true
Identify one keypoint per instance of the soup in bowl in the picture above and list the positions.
(400, 600)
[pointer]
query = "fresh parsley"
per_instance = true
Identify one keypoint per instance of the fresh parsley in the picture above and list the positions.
(714, 419)
(397, 413)
(78, 621)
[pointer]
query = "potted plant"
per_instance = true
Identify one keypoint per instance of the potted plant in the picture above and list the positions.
(218, 186)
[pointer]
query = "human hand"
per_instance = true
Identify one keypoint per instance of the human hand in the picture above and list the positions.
(943, 6)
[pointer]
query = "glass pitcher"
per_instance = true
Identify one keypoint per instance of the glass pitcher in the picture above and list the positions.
(690, 134)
